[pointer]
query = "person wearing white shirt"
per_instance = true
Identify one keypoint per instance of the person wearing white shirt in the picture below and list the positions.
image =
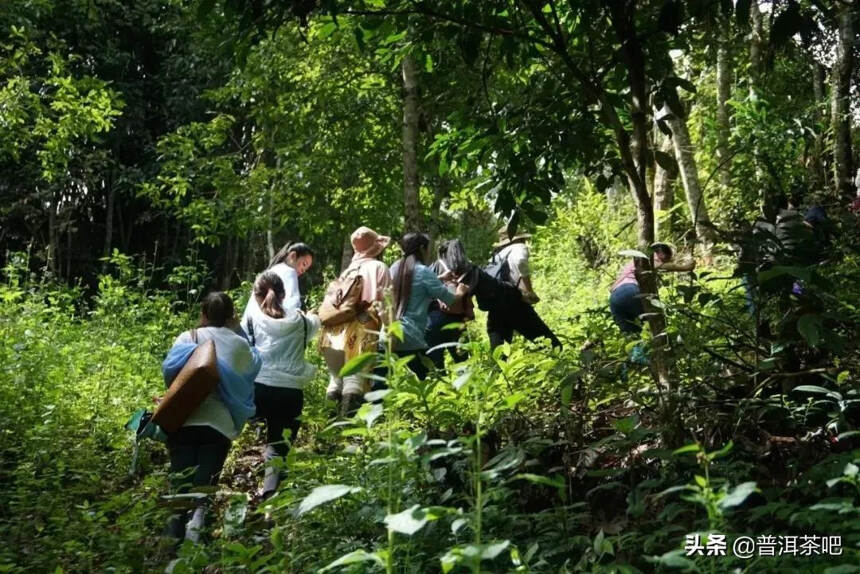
(200, 446)
(290, 263)
(281, 337)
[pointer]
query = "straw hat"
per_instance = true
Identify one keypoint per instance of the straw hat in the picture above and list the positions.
(368, 243)
(505, 240)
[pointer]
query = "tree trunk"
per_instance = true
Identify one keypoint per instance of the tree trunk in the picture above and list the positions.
(841, 103)
(724, 92)
(53, 235)
(229, 264)
(634, 156)
(109, 216)
(817, 163)
(684, 154)
(411, 198)
(346, 253)
(664, 194)
(756, 47)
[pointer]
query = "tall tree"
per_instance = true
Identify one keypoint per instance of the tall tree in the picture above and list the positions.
(665, 175)
(411, 180)
(689, 171)
(843, 68)
(724, 89)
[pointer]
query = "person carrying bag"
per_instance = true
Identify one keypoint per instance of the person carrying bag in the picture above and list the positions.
(199, 444)
(351, 318)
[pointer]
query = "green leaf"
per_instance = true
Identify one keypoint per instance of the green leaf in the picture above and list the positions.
(355, 557)
(369, 412)
(409, 521)
(694, 447)
(722, 452)
(462, 379)
(566, 394)
(814, 389)
(490, 551)
(326, 30)
(737, 496)
(554, 481)
(627, 424)
(322, 494)
(633, 253)
(809, 326)
(357, 364)
(673, 559)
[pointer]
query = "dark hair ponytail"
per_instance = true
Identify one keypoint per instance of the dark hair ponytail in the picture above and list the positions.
(411, 244)
(269, 293)
(297, 247)
(216, 310)
(455, 257)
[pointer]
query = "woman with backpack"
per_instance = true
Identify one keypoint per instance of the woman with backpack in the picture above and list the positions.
(415, 287)
(451, 255)
(199, 447)
(281, 337)
(341, 342)
(290, 263)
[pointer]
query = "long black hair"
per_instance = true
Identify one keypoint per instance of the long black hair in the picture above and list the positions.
(299, 248)
(411, 244)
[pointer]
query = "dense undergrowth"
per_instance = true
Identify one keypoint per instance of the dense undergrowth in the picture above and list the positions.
(525, 459)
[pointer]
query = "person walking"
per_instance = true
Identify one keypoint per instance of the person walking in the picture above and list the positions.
(340, 343)
(281, 338)
(290, 263)
(199, 447)
(415, 287)
(511, 306)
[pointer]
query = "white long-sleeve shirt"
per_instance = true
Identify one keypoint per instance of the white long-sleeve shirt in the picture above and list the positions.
(281, 343)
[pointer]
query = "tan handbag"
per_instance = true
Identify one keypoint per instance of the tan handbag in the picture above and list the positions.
(342, 301)
(197, 379)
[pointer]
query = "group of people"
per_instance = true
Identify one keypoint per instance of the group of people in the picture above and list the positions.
(261, 357)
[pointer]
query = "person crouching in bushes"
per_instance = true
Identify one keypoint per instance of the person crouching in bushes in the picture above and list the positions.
(625, 301)
(199, 448)
(415, 287)
(343, 342)
(281, 337)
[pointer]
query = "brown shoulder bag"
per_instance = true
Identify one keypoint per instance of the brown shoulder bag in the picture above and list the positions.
(198, 378)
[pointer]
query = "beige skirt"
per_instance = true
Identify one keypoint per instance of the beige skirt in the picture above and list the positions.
(353, 337)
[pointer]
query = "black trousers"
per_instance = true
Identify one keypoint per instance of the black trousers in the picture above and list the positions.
(436, 335)
(280, 408)
(199, 447)
(517, 316)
